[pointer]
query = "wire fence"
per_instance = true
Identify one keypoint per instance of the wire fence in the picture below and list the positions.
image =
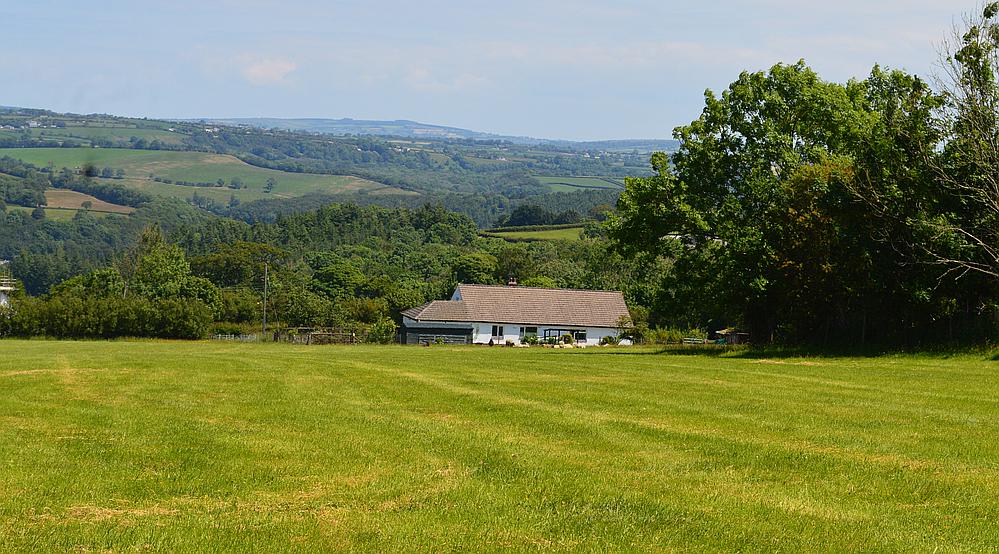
(236, 338)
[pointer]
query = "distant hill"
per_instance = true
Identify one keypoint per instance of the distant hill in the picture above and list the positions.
(624, 145)
(413, 129)
(347, 126)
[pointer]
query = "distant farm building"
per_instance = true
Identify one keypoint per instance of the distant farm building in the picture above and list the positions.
(7, 284)
(480, 314)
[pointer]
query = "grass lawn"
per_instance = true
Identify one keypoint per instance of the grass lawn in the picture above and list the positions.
(193, 167)
(260, 448)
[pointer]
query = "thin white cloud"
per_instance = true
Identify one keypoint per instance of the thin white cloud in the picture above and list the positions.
(267, 71)
(423, 79)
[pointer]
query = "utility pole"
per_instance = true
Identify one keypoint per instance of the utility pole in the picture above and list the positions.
(263, 334)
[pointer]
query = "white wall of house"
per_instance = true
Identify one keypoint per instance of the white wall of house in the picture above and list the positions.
(482, 333)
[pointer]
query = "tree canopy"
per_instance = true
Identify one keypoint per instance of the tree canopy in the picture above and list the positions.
(768, 208)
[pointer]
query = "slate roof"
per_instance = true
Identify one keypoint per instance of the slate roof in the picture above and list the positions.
(526, 306)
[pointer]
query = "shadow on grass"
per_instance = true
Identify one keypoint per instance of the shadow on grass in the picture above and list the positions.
(750, 352)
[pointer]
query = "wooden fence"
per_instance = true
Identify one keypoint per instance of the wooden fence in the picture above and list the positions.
(317, 336)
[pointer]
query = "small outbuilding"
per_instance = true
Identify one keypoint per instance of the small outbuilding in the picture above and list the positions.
(480, 314)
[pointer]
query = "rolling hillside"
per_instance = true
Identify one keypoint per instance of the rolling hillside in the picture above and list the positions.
(159, 171)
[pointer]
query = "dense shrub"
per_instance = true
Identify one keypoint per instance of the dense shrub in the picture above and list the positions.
(73, 317)
(382, 331)
(671, 335)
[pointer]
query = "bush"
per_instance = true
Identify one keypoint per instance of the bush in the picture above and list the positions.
(664, 335)
(610, 340)
(672, 335)
(6, 317)
(382, 331)
(73, 317)
(229, 329)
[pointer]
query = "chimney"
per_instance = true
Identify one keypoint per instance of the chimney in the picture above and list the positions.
(512, 282)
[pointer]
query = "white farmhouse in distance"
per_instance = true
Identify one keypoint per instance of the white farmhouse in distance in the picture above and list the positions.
(477, 314)
(6, 283)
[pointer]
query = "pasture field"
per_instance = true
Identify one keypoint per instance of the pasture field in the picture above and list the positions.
(72, 200)
(193, 167)
(569, 233)
(174, 447)
(113, 133)
(573, 184)
(62, 214)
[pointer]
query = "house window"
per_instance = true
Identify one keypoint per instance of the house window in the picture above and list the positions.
(497, 330)
(528, 331)
(579, 336)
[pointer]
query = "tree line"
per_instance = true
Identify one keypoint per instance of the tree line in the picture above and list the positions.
(344, 266)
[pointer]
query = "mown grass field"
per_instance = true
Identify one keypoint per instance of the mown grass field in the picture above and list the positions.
(158, 446)
(194, 167)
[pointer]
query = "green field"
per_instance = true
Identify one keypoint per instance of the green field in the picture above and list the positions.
(573, 184)
(571, 233)
(194, 167)
(112, 133)
(157, 446)
(62, 214)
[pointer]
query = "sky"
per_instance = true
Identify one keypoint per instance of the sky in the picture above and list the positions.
(580, 70)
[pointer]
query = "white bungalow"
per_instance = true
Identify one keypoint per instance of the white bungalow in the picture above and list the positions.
(478, 314)
(7, 284)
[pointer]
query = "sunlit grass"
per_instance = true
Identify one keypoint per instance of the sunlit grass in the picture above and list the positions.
(217, 446)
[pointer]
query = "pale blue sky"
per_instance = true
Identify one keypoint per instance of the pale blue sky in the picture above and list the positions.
(558, 69)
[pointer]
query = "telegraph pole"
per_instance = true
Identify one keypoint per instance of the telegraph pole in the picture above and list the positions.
(263, 333)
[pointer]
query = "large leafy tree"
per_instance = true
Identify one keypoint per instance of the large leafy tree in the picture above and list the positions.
(759, 208)
(969, 176)
(163, 272)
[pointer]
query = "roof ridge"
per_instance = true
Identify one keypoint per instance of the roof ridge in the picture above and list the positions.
(535, 288)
